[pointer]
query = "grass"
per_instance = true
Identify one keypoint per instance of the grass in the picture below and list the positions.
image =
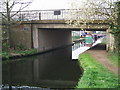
(7, 55)
(30, 51)
(95, 75)
(114, 59)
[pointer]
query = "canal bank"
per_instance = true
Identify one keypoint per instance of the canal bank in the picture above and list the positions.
(21, 52)
(82, 47)
(79, 40)
(97, 74)
(14, 54)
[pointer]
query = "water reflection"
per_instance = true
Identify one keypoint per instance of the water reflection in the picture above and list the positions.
(81, 44)
(53, 70)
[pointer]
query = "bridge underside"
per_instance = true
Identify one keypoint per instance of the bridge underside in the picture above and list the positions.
(45, 39)
(73, 29)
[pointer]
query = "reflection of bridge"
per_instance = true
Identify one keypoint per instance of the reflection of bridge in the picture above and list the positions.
(47, 30)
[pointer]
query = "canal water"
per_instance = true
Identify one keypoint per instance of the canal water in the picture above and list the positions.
(54, 69)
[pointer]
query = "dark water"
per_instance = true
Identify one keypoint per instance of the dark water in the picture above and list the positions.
(55, 69)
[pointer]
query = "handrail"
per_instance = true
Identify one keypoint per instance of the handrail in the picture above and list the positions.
(55, 14)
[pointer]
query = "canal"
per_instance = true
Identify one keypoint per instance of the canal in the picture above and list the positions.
(54, 69)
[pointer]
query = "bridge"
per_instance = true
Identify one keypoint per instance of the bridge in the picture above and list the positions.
(47, 29)
(62, 25)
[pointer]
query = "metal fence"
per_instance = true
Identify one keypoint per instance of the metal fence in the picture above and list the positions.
(61, 14)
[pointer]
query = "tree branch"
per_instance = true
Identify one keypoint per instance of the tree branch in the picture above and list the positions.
(11, 7)
(3, 15)
(21, 8)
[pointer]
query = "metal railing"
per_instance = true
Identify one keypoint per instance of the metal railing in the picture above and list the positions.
(61, 14)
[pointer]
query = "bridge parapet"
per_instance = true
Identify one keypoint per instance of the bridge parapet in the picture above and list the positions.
(61, 14)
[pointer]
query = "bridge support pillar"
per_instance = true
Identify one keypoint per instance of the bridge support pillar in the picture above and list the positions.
(35, 38)
(110, 45)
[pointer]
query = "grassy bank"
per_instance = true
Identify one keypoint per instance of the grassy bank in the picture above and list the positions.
(114, 59)
(8, 54)
(95, 75)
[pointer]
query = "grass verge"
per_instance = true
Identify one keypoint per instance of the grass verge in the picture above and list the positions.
(114, 59)
(95, 75)
(7, 55)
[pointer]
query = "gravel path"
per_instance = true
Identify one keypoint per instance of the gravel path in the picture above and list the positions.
(100, 54)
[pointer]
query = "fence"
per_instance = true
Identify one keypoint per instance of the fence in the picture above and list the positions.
(61, 14)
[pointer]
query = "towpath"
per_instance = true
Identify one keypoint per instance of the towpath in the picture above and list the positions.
(100, 54)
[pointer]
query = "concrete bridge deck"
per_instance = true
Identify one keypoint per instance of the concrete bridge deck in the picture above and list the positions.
(62, 25)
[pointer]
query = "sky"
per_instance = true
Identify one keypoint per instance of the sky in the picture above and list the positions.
(54, 4)
(49, 4)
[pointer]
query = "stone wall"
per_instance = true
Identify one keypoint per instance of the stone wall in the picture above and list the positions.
(21, 36)
(28, 36)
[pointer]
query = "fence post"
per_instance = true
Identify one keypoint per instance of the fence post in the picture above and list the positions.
(40, 16)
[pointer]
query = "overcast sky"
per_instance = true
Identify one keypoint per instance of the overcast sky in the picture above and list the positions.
(55, 4)
(49, 4)
(52, 4)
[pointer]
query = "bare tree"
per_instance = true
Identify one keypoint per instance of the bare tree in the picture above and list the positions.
(8, 7)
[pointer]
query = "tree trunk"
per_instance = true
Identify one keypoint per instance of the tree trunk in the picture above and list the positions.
(8, 23)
